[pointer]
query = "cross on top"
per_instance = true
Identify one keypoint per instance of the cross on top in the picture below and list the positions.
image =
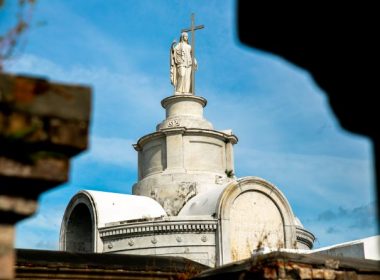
(192, 28)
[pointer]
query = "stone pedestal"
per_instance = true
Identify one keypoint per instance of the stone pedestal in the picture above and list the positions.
(184, 111)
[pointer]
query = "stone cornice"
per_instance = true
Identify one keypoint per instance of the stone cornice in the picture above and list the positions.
(185, 131)
(175, 130)
(210, 132)
(146, 138)
(151, 228)
(175, 98)
(304, 236)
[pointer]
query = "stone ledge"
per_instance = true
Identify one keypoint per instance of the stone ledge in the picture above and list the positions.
(40, 97)
(37, 264)
(176, 98)
(280, 265)
(36, 115)
(304, 236)
(185, 131)
(158, 227)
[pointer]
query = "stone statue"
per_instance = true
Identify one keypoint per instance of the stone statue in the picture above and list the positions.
(181, 65)
(182, 61)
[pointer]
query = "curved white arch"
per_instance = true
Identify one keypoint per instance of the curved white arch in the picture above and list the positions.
(225, 204)
(105, 208)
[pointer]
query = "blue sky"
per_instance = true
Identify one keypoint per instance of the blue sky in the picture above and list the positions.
(287, 133)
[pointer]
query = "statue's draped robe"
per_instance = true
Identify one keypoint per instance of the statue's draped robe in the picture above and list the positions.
(181, 66)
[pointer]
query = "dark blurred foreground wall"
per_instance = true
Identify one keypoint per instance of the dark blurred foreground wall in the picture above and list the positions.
(281, 265)
(336, 42)
(38, 264)
(42, 126)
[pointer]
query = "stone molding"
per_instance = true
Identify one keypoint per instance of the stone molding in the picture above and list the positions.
(210, 132)
(161, 226)
(305, 237)
(174, 130)
(147, 138)
(177, 98)
(187, 121)
(184, 131)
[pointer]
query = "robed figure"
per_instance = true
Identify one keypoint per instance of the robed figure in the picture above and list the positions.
(181, 65)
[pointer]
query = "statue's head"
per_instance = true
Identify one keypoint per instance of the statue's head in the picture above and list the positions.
(184, 37)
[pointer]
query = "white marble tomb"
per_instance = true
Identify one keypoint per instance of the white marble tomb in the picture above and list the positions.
(187, 201)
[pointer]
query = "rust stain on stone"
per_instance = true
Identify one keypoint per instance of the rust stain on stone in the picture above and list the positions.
(270, 273)
(25, 89)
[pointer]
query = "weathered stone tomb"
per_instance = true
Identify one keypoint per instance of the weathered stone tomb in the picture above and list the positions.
(187, 201)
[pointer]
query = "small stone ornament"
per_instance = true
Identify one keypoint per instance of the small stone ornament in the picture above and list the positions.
(173, 123)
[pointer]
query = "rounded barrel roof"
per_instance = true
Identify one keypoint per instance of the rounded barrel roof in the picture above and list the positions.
(114, 207)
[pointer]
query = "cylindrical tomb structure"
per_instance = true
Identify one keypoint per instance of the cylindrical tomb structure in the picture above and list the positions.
(185, 156)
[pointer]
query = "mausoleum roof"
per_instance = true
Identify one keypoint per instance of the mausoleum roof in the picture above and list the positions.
(203, 203)
(114, 207)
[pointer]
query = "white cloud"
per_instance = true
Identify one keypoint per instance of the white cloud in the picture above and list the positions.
(128, 99)
(41, 231)
(310, 180)
(341, 224)
(115, 151)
